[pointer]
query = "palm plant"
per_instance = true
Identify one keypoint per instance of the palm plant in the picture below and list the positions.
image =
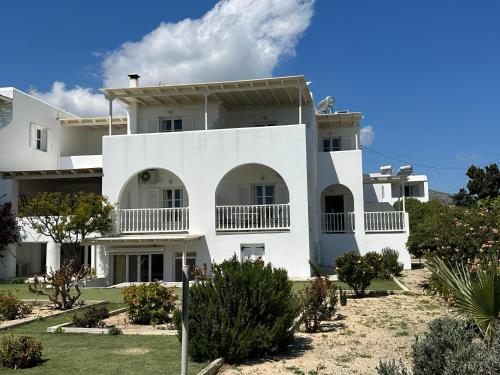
(476, 293)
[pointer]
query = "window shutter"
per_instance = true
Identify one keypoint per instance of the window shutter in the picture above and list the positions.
(154, 198)
(45, 134)
(244, 194)
(32, 135)
(154, 125)
(281, 194)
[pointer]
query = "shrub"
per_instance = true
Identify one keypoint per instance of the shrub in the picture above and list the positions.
(390, 263)
(62, 282)
(115, 331)
(374, 259)
(343, 297)
(445, 335)
(246, 310)
(20, 352)
(476, 358)
(318, 302)
(356, 271)
(12, 307)
(149, 303)
(391, 368)
(92, 318)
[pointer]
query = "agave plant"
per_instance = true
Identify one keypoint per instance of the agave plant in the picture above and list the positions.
(476, 293)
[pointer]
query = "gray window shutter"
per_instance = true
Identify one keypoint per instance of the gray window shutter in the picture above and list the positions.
(281, 193)
(154, 125)
(45, 134)
(244, 194)
(32, 135)
(154, 198)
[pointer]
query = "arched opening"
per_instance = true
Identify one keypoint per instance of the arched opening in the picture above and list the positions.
(252, 197)
(337, 209)
(153, 200)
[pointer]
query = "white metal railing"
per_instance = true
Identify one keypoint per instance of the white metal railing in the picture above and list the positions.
(148, 220)
(387, 221)
(338, 222)
(252, 217)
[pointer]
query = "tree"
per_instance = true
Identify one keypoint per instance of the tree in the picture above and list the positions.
(62, 281)
(67, 218)
(9, 230)
(483, 183)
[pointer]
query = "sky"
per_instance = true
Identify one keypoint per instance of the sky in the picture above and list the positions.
(425, 74)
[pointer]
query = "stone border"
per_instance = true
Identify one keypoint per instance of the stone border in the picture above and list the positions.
(35, 318)
(400, 284)
(213, 367)
(103, 331)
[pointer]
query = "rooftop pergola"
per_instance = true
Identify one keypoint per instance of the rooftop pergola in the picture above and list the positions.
(234, 95)
(93, 122)
(338, 119)
(52, 174)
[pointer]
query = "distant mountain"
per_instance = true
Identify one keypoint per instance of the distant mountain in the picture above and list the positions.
(444, 198)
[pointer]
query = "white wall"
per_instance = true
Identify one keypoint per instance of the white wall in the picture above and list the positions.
(201, 159)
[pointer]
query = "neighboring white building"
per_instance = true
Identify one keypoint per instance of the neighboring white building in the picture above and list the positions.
(198, 173)
(383, 189)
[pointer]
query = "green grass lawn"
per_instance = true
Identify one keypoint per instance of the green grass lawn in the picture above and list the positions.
(378, 285)
(101, 354)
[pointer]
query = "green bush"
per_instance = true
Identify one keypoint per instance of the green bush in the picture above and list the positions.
(12, 307)
(149, 303)
(356, 271)
(92, 318)
(343, 297)
(445, 335)
(474, 359)
(115, 331)
(390, 264)
(318, 301)
(391, 368)
(247, 309)
(20, 352)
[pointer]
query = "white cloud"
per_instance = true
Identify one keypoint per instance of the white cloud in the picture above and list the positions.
(237, 39)
(367, 135)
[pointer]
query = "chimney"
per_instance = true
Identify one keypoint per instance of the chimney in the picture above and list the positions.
(133, 80)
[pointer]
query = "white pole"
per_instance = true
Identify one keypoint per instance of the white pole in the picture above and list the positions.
(300, 103)
(206, 111)
(110, 118)
(404, 195)
(185, 320)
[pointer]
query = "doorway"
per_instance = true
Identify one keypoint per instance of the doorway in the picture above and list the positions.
(190, 261)
(334, 204)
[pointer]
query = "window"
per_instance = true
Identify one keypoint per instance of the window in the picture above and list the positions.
(170, 125)
(252, 252)
(190, 261)
(172, 198)
(332, 144)
(264, 194)
(38, 137)
(411, 191)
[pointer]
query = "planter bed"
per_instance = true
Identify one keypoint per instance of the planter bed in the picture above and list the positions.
(117, 318)
(42, 309)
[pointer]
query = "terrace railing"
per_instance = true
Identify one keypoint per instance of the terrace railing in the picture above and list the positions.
(152, 220)
(247, 218)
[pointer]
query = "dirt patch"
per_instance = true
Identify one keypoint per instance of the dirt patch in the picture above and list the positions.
(132, 351)
(366, 331)
(121, 321)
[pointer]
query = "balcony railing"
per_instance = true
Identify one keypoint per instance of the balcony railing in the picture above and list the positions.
(339, 222)
(151, 220)
(265, 217)
(389, 221)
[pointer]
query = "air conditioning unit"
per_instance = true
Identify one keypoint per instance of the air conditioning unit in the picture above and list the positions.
(149, 176)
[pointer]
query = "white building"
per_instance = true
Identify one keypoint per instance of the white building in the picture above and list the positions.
(198, 173)
(383, 189)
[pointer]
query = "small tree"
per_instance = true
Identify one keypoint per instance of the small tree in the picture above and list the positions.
(67, 218)
(483, 183)
(62, 282)
(9, 230)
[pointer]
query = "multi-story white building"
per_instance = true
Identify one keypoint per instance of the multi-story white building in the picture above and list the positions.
(383, 189)
(199, 173)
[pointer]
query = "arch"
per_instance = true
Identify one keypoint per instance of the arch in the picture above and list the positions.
(135, 193)
(345, 204)
(240, 186)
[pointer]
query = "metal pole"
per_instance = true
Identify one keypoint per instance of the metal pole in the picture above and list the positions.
(301, 88)
(206, 111)
(110, 117)
(404, 196)
(185, 320)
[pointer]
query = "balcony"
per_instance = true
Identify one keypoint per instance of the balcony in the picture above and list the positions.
(341, 222)
(388, 221)
(151, 220)
(252, 218)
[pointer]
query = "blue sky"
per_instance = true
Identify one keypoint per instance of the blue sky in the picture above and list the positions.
(425, 74)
